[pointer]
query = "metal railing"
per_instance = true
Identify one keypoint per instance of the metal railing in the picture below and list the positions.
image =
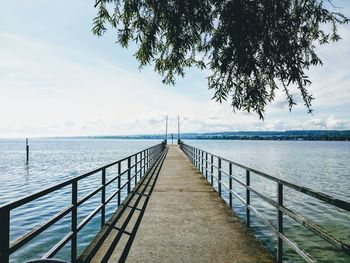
(206, 162)
(137, 165)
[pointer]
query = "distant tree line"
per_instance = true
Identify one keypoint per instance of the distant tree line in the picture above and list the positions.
(277, 138)
(310, 135)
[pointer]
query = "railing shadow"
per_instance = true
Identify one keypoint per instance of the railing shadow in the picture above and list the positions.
(128, 216)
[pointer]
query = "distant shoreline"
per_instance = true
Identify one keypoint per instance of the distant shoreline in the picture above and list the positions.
(289, 135)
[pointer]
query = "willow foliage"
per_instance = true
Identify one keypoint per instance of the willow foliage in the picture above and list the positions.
(251, 47)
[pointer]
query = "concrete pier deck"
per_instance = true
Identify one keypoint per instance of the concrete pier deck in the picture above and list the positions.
(174, 215)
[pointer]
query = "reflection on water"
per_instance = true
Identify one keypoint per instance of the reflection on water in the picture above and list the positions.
(26, 178)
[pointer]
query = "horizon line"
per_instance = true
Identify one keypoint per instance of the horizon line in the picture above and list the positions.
(169, 134)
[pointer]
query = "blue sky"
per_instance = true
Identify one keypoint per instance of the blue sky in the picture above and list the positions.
(58, 79)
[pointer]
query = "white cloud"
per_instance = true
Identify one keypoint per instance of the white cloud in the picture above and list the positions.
(44, 87)
(333, 123)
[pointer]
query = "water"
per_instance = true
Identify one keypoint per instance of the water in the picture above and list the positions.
(53, 161)
(322, 166)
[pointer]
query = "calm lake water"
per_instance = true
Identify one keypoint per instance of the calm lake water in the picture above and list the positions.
(322, 166)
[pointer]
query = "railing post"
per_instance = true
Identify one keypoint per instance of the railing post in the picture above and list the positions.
(195, 157)
(219, 175)
(192, 154)
(150, 158)
(144, 162)
(206, 165)
(136, 169)
(103, 198)
(129, 173)
(202, 162)
(119, 181)
(142, 169)
(199, 159)
(5, 236)
(211, 169)
(230, 183)
(147, 159)
(247, 211)
(279, 222)
(74, 221)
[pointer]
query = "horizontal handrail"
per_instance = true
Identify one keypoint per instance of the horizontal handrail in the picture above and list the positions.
(19, 202)
(305, 190)
(205, 163)
(143, 161)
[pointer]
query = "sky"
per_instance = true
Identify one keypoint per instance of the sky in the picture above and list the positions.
(58, 79)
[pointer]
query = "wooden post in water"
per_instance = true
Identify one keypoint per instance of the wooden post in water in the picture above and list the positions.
(27, 150)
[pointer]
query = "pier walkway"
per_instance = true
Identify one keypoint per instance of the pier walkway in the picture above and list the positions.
(174, 215)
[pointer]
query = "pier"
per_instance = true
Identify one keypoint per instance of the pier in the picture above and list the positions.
(176, 217)
(176, 206)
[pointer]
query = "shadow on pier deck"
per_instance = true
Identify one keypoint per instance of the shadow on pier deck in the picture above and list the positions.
(174, 215)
